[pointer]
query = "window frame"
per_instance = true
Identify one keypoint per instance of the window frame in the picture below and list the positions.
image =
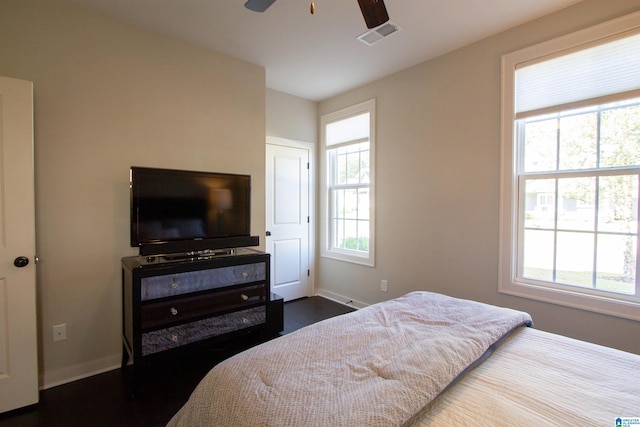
(510, 218)
(326, 249)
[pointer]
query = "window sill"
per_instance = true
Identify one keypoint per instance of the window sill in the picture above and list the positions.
(580, 300)
(346, 257)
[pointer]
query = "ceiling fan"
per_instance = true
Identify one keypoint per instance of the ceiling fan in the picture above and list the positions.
(373, 11)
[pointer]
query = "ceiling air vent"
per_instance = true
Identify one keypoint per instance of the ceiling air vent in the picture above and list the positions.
(374, 35)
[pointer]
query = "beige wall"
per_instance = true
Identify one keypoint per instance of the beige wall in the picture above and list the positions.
(437, 164)
(291, 117)
(108, 96)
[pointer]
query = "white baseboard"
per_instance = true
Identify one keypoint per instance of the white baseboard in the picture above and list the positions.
(78, 372)
(340, 299)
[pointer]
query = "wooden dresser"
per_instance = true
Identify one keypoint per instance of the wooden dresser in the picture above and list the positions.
(171, 303)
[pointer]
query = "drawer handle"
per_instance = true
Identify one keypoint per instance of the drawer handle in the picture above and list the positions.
(174, 338)
(173, 311)
(245, 274)
(245, 320)
(174, 285)
(244, 297)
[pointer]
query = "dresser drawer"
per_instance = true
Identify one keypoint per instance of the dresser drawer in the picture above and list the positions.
(200, 280)
(184, 308)
(176, 336)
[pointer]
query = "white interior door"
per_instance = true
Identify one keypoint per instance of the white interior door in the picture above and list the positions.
(18, 330)
(288, 222)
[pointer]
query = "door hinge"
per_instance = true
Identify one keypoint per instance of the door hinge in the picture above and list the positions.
(308, 220)
(308, 273)
(307, 165)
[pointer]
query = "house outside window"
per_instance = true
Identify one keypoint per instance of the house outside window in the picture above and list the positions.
(347, 184)
(571, 170)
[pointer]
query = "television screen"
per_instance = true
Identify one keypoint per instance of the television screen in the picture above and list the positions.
(174, 205)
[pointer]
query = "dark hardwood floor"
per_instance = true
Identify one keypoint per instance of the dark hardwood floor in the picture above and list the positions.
(105, 399)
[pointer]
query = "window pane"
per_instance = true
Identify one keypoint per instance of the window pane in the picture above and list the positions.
(618, 206)
(363, 204)
(350, 235)
(340, 177)
(351, 158)
(363, 237)
(338, 233)
(560, 221)
(578, 142)
(351, 164)
(540, 204)
(538, 255)
(346, 203)
(574, 259)
(339, 204)
(616, 263)
(350, 204)
(541, 145)
(353, 168)
(620, 137)
(577, 208)
(351, 215)
(364, 162)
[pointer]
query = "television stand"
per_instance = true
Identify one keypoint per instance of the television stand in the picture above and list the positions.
(171, 305)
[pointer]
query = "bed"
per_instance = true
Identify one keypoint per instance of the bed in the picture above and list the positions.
(423, 359)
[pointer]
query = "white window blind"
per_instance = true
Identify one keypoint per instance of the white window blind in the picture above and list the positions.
(608, 70)
(348, 130)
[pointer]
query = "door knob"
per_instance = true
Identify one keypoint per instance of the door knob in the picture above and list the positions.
(268, 233)
(21, 261)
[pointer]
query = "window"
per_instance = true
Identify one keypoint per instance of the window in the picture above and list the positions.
(348, 182)
(571, 170)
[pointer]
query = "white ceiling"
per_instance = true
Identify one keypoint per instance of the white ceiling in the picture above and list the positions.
(318, 56)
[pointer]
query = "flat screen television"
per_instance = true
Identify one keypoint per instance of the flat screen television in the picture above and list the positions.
(178, 211)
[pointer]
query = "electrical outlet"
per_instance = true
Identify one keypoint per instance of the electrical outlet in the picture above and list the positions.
(60, 332)
(383, 285)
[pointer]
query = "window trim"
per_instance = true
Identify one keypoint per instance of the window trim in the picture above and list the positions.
(367, 259)
(509, 155)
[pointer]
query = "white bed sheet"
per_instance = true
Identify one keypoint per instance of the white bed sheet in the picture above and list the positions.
(540, 379)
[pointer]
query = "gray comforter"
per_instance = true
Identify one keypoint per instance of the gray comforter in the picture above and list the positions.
(377, 366)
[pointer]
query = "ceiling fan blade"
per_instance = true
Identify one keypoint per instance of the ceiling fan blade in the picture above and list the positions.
(374, 12)
(258, 5)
